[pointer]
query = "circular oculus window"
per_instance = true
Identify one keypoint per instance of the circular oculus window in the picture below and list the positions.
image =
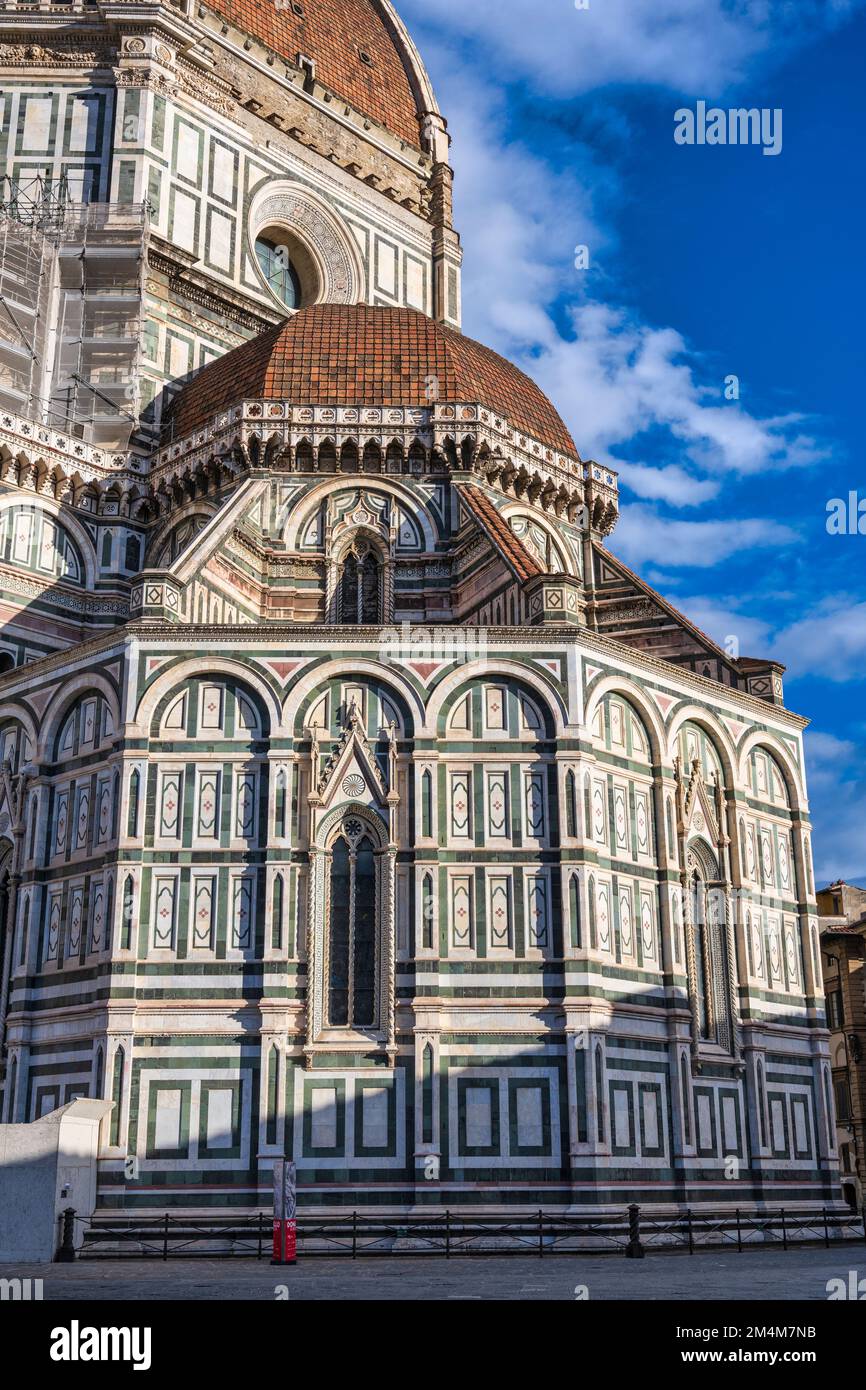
(287, 267)
(276, 265)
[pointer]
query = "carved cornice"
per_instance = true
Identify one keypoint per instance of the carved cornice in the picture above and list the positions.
(209, 293)
(329, 637)
(71, 52)
(190, 84)
(57, 597)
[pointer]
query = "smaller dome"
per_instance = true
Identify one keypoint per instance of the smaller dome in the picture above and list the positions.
(357, 355)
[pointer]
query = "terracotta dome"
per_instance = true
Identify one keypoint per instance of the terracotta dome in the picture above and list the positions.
(341, 355)
(356, 46)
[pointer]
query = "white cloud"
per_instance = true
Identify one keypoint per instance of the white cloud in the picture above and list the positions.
(721, 619)
(688, 45)
(829, 641)
(825, 754)
(837, 797)
(612, 377)
(672, 484)
(642, 536)
(615, 377)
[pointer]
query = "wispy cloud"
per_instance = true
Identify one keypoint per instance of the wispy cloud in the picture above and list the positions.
(687, 45)
(534, 182)
(615, 378)
(837, 791)
(722, 619)
(642, 536)
(830, 638)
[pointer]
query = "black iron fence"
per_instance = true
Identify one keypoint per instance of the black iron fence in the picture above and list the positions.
(451, 1234)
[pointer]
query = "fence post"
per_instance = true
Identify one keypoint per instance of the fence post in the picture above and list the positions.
(66, 1252)
(826, 1230)
(784, 1231)
(540, 1233)
(165, 1237)
(689, 1226)
(354, 1234)
(739, 1233)
(448, 1235)
(634, 1249)
(259, 1251)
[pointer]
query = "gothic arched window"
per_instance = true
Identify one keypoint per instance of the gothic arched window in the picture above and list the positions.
(711, 976)
(134, 797)
(361, 587)
(571, 804)
(352, 931)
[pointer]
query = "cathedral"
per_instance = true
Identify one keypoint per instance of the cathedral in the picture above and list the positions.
(357, 803)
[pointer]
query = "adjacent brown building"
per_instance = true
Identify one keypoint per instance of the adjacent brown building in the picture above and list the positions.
(843, 958)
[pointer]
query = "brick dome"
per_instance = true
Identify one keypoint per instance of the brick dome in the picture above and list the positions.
(354, 355)
(358, 53)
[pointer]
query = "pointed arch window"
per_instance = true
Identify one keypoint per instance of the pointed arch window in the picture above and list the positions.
(24, 932)
(711, 974)
(277, 914)
(427, 910)
(571, 805)
(686, 1091)
(427, 803)
(574, 903)
(762, 1105)
(599, 1092)
(352, 930)
(117, 1095)
(361, 587)
(427, 1096)
(13, 1086)
(273, 1086)
(127, 913)
(134, 798)
(115, 804)
(31, 833)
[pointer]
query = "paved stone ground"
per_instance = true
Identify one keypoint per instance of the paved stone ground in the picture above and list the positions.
(760, 1276)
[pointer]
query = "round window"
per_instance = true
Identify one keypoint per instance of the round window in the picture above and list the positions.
(279, 272)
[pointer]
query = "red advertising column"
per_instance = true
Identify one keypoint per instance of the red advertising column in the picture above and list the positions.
(285, 1213)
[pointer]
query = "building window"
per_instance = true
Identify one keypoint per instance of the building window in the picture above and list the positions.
(843, 1100)
(835, 1012)
(352, 934)
(711, 983)
(701, 973)
(571, 805)
(360, 587)
(279, 272)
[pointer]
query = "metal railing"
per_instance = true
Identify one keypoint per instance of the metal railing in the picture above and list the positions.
(452, 1234)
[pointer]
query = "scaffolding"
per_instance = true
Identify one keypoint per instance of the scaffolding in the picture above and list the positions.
(24, 287)
(71, 294)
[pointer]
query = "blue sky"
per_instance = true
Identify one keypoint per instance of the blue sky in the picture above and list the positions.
(704, 263)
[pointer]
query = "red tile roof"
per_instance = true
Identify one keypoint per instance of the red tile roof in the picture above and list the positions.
(342, 355)
(497, 530)
(334, 33)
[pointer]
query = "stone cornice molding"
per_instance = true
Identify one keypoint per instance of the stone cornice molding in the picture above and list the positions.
(681, 682)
